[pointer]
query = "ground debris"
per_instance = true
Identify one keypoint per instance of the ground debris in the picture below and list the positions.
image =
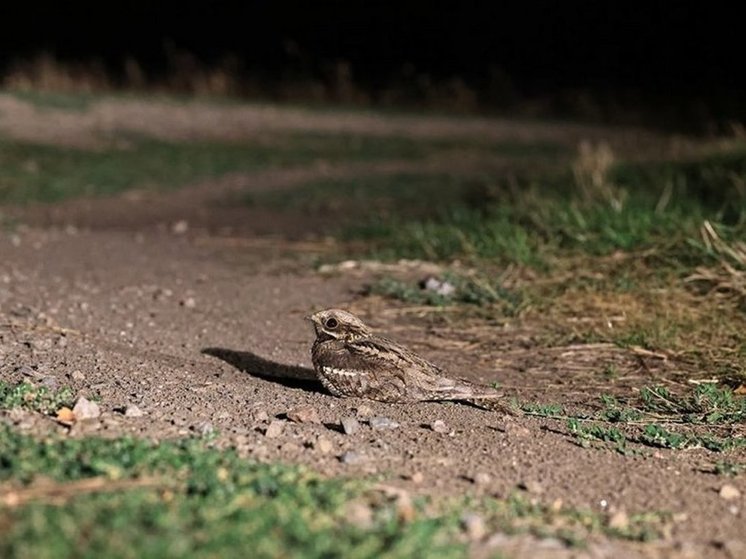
(86, 409)
(350, 425)
(274, 429)
(304, 414)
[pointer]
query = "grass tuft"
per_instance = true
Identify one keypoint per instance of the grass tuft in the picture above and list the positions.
(33, 397)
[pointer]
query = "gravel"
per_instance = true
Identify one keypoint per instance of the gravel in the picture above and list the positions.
(350, 425)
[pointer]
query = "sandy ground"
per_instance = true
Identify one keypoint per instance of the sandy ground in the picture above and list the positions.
(194, 329)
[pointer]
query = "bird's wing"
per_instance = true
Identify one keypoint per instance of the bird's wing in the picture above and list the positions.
(390, 359)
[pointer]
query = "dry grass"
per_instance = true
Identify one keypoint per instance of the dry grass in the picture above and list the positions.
(591, 171)
(729, 277)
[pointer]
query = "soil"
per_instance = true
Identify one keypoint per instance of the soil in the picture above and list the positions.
(203, 331)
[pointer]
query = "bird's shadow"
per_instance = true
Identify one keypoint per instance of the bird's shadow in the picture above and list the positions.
(292, 376)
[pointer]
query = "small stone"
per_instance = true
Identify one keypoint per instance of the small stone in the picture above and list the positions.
(180, 227)
(188, 303)
(27, 371)
(350, 425)
(729, 492)
(351, 458)
(50, 382)
(304, 414)
(65, 416)
(380, 423)
(531, 486)
(274, 429)
(77, 376)
(290, 448)
(133, 411)
(417, 477)
(474, 526)
(205, 428)
(323, 445)
(161, 294)
(734, 548)
(364, 410)
(619, 521)
(514, 429)
(481, 478)
(441, 287)
(261, 416)
(85, 409)
(439, 426)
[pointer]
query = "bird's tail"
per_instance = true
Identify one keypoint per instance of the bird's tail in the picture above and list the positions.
(476, 394)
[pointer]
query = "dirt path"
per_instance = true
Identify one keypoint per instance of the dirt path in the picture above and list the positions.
(137, 319)
(171, 120)
(107, 296)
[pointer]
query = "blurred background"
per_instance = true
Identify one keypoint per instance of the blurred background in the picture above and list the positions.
(670, 64)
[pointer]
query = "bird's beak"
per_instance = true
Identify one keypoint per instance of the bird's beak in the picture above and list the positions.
(314, 323)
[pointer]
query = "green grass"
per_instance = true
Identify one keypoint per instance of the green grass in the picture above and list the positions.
(193, 501)
(618, 425)
(34, 172)
(34, 398)
(707, 403)
(186, 499)
(473, 290)
(78, 102)
(530, 219)
(727, 468)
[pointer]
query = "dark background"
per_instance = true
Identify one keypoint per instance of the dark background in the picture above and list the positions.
(655, 55)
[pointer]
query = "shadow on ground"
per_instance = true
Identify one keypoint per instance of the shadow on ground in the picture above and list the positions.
(292, 376)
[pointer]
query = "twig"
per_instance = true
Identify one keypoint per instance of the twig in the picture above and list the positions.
(65, 491)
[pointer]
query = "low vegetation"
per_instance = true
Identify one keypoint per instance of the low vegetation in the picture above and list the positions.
(132, 498)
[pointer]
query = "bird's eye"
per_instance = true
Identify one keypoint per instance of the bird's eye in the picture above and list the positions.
(332, 323)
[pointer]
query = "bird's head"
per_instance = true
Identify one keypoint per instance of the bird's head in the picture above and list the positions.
(336, 324)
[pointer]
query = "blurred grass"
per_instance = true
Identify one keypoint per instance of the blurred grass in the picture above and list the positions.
(529, 221)
(126, 497)
(187, 500)
(46, 173)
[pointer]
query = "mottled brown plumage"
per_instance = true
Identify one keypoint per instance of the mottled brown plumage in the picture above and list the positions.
(351, 361)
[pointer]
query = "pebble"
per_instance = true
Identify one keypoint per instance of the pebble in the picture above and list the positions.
(531, 486)
(304, 414)
(50, 382)
(351, 457)
(474, 526)
(380, 423)
(350, 425)
(417, 477)
(85, 409)
(734, 548)
(274, 429)
(77, 375)
(188, 303)
(439, 426)
(27, 371)
(133, 411)
(481, 478)
(729, 492)
(323, 445)
(205, 428)
(180, 227)
(162, 293)
(363, 410)
(290, 448)
(441, 287)
(261, 416)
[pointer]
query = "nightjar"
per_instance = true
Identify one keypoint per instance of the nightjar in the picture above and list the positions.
(351, 361)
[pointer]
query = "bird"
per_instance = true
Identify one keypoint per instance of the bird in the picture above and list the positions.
(351, 361)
